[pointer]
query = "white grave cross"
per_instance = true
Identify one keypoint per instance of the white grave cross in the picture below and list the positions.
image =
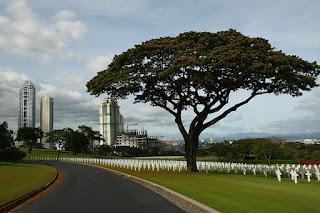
(308, 173)
(318, 174)
(295, 176)
(278, 173)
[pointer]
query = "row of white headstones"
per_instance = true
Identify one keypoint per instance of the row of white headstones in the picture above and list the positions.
(293, 171)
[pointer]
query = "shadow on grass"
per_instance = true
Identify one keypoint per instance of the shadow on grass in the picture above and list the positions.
(17, 163)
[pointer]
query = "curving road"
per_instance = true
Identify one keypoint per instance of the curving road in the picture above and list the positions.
(90, 189)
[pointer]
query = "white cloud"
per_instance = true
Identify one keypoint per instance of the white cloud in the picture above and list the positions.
(98, 63)
(23, 32)
(305, 120)
(71, 107)
(311, 103)
(143, 114)
(65, 21)
(70, 79)
(295, 125)
(10, 83)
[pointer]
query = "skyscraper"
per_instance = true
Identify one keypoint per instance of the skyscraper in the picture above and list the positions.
(27, 105)
(110, 121)
(46, 113)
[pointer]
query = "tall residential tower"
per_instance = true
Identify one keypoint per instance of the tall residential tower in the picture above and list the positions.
(46, 113)
(27, 105)
(110, 121)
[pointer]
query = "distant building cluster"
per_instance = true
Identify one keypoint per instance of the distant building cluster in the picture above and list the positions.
(27, 109)
(137, 139)
(111, 124)
(306, 141)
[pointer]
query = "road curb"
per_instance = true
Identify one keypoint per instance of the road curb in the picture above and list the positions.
(17, 202)
(187, 204)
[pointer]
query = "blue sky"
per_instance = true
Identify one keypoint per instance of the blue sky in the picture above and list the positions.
(60, 45)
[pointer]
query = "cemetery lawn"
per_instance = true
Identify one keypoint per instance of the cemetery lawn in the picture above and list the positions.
(49, 153)
(239, 193)
(18, 179)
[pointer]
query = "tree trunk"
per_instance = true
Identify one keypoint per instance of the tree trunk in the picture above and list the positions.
(191, 147)
(191, 141)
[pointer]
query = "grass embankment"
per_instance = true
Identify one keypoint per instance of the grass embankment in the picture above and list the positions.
(52, 153)
(238, 193)
(18, 179)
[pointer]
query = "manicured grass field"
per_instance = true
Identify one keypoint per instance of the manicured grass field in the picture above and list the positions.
(52, 153)
(238, 193)
(17, 179)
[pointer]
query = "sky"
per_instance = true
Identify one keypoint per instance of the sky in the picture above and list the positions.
(60, 45)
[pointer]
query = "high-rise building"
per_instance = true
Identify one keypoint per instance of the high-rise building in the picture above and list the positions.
(27, 105)
(110, 121)
(46, 113)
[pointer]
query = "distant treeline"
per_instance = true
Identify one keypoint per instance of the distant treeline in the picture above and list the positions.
(261, 149)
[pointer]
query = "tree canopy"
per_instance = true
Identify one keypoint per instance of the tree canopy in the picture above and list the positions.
(90, 134)
(75, 140)
(6, 136)
(199, 70)
(56, 137)
(29, 135)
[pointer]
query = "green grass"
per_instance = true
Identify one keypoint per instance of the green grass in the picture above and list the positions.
(52, 153)
(18, 179)
(238, 193)
(205, 158)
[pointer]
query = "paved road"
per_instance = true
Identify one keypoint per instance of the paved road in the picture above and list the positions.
(89, 189)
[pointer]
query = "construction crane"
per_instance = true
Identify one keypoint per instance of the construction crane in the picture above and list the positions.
(132, 124)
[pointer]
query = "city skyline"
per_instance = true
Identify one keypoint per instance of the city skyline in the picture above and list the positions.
(64, 60)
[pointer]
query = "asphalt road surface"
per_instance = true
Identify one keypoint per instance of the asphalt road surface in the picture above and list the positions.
(89, 189)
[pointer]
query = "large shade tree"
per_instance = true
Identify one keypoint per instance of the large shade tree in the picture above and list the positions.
(58, 137)
(29, 135)
(90, 134)
(199, 70)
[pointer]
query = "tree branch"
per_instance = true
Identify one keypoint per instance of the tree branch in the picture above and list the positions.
(180, 125)
(234, 108)
(216, 109)
(165, 107)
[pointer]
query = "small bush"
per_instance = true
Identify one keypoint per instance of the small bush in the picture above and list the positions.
(11, 154)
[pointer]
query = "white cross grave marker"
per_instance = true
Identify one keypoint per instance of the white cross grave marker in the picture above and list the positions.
(295, 176)
(318, 174)
(308, 173)
(278, 173)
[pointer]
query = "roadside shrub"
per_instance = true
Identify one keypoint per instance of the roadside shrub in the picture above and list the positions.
(11, 155)
(103, 150)
(315, 155)
(202, 152)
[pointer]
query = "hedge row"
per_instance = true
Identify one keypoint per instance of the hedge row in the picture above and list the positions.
(11, 154)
